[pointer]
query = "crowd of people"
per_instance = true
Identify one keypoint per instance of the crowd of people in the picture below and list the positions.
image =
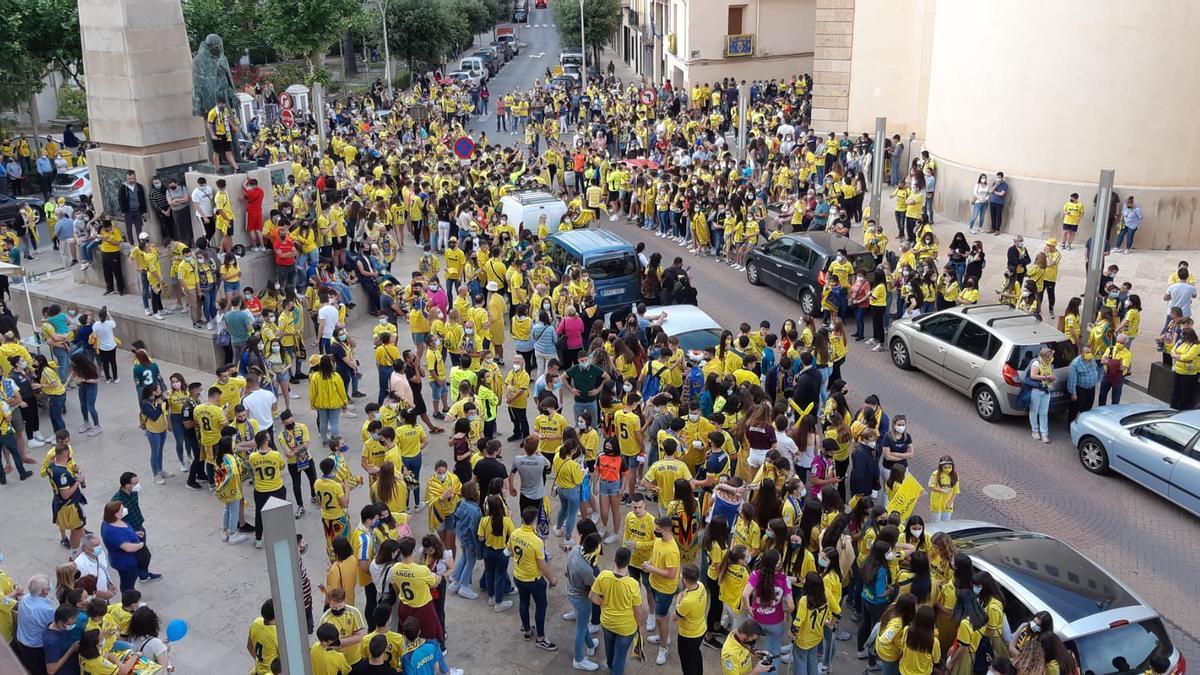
(737, 498)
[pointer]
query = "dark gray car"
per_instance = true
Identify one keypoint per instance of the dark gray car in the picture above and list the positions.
(795, 264)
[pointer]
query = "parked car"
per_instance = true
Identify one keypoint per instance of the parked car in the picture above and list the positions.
(693, 326)
(521, 16)
(490, 59)
(1150, 444)
(72, 184)
(511, 40)
(539, 4)
(981, 351)
(10, 207)
(463, 76)
(504, 49)
(475, 65)
(1105, 624)
(795, 264)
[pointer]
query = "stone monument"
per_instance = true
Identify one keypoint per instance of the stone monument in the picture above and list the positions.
(212, 82)
(140, 111)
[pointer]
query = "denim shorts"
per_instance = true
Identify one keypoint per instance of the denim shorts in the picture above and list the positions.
(628, 462)
(662, 602)
(437, 389)
(610, 488)
(233, 286)
(420, 338)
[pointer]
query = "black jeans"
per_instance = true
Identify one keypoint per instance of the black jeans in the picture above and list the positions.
(260, 500)
(520, 420)
(997, 211)
(715, 606)
(1184, 395)
(311, 472)
(1086, 399)
(690, 660)
(114, 276)
(108, 363)
(877, 323)
(870, 618)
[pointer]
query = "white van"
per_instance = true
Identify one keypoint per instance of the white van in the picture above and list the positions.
(474, 64)
(524, 209)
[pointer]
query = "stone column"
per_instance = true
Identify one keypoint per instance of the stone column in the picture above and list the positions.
(139, 72)
(831, 64)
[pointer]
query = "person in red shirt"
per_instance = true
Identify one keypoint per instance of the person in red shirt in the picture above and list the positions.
(252, 194)
(286, 253)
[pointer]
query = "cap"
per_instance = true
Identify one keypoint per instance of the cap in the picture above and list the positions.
(946, 460)
(144, 236)
(1052, 242)
(493, 286)
(454, 240)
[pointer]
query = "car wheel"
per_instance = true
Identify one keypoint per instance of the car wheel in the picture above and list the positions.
(1093, 456)
(986, 404)
(808, 302)
(752, 274)
(899, 352)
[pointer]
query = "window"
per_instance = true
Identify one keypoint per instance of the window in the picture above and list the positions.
(1015, 611)
(735, 20)
(612, 268)
(976, 340)
(779, 248)
(802, 255)
(1170, 435)
(941, 326)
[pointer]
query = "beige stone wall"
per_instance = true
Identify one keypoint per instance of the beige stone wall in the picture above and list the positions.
(834, 31)
(892, 47)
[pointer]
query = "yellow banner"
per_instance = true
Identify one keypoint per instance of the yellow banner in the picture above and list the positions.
(904, 500)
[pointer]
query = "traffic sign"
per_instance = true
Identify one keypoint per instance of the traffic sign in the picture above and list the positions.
(285, 101)
(288, 118)
(464, 147)
(649, 96)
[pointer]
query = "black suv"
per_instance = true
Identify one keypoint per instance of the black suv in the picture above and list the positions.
(795, 264)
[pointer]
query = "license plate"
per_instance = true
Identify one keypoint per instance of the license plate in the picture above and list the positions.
(609, 292)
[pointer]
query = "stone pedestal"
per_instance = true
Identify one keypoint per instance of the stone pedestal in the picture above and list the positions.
(272, 174)
(831, 65)
(139, 70)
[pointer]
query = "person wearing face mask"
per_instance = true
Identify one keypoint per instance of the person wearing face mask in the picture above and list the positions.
(1082, 378)
(516, 395)
(584, 381)
(896, 446)
(94, 573)
(739, 653)
(864, 475)
(123, 544)
(129, 497)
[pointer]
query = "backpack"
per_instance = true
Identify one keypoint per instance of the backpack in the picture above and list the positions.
(983, 656)
(653, 382)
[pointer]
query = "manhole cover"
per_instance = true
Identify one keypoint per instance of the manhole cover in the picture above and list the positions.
(999, 492)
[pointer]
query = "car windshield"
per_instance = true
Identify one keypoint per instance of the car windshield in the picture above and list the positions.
(1023, 355)
(65, 179)
(699, 340)
(1148, 416)
(612, 268)
(1125, 649)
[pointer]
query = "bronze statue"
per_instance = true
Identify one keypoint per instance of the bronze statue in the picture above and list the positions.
(212, 82)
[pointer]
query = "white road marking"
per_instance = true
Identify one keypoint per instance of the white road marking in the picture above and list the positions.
(537, 56)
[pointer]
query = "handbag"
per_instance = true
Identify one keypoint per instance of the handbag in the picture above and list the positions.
(223, 339)
(143, 556)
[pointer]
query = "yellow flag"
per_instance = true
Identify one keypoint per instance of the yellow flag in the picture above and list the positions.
(905, 498)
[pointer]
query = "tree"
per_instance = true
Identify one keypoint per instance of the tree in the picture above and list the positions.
(475, 15)
(601, 20)
(420, 32)
(36, 37)
(306, 28)
(236, 21)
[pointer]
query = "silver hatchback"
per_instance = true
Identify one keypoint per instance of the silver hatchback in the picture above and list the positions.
(982, 351)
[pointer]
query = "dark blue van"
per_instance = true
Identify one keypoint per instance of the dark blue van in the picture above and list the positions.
(610, 261)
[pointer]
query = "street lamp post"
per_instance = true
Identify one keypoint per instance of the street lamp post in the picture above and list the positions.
(583, 43)
(387, 54)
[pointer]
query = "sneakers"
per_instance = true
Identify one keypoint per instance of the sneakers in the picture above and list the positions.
(151, 576)
(293, 395)
(877, 348)
(543, 643)
(842, 636)
(822, 668)
(591, 651)
(661, 659)
(237, 538)
(246, 528)
(860, 654)
(1037, 436)
(650, 622)
(1046, 438)
(875, 668)
(569, 615)
(593, 628)
(586, 664)
(194, 486)
(299, 512)
(38, 435)
(452, 587)
(183, 468)
(35, 443)
(491, 601)
(158, 480)
(712, 643)
(160, 316)
(507, 604)
(116, 380)
(610, 538)
(147, 311)
(258, 543)
(467, 592)
(166, 474)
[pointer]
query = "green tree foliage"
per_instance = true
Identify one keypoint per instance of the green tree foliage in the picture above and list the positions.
(601, 20)
(306, 27)
(236, 21)
(420, 32)
(36, 37)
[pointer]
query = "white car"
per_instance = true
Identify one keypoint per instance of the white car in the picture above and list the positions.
(463, 76)
(72, 184)
(693, 326)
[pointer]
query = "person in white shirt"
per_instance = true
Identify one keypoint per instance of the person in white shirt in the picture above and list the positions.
(92, 561)
(260, 403)
(327, 321)
(202, 206)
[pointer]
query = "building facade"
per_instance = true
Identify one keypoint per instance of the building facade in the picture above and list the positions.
(1038, 89)
(702, 41)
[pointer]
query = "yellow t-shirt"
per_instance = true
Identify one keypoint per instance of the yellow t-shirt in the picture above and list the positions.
(527, 549)
(1072, 213)
(414, 583)
(691, 612)
(663, 474)
(809, 624)
(265, 643)
(627, 424)
(639, 537)
(328, 660)
(619, 595)
(267, 468)
(549, 425)
(913, 662)
(735, 658)
(329, 493)
(494, 541)
(664, 555)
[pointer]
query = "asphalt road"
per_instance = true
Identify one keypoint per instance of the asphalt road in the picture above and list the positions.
(1145, 541)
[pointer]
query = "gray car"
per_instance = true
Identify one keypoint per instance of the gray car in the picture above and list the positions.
(1104, 623)
(1147, 443)
(982, 351)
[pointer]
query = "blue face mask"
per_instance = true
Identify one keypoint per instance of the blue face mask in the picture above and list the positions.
(977, 589)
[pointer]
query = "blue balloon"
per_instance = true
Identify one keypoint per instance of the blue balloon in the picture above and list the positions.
(176, 630)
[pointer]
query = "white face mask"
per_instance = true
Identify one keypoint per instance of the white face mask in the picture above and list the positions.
(123, 512)
(694, 417)
(918, 531)
(900, 428)
(628, 387)
(137, 487)
(383, 321)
